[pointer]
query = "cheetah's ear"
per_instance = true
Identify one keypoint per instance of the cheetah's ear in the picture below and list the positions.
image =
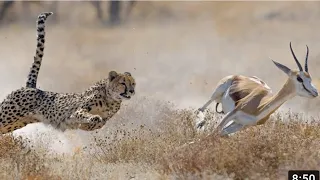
(112, 75)
(127, 73)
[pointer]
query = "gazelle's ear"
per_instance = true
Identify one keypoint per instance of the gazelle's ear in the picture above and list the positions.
(284, 68)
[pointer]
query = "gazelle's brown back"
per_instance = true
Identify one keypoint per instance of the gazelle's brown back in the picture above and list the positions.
(247, 92)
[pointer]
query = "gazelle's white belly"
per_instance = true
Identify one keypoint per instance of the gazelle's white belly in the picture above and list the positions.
(227, 102)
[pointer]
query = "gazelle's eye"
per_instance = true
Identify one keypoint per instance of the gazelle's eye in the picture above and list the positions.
(299, 79)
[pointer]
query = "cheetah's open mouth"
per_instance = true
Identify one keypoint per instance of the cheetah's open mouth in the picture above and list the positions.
(125, 96)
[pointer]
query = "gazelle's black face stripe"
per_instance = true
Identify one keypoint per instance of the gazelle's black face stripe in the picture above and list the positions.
(299, 79)
(306, 89)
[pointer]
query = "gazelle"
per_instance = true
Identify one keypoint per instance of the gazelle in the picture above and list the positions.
(248, 101)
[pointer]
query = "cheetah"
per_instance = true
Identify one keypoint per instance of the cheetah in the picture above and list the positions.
(88, 110)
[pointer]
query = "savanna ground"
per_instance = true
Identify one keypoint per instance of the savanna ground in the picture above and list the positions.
(177, 51)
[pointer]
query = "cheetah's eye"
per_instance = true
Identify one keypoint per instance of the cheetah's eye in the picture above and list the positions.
(299, 79)
(123, 83)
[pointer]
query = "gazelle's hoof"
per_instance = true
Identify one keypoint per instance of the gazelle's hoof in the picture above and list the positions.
(200, 124)
(200, 120)
(224, 135)
(200, 110)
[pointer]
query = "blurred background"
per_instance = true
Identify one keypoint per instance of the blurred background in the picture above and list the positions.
(177, 51)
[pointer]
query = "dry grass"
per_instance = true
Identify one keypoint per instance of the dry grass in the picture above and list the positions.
(171, 148)
(10, 145)
(20, 161)
(269, 150)
(266, 151)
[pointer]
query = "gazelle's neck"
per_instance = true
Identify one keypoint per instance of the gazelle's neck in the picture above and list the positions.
(274, 102)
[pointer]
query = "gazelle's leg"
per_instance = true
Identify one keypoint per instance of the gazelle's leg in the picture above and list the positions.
(200, 121)
(245, 119)
(232, 128)
(200, 116)
(226, 119)
(206, 104)
(221, 88)
(241, 121)
(218, 93)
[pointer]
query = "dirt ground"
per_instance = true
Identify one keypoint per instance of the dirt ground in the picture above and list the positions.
(177, 51)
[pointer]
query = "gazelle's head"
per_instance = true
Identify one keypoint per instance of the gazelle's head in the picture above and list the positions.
(301, 78)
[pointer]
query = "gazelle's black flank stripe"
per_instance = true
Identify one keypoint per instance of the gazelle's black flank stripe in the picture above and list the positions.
(34, 70)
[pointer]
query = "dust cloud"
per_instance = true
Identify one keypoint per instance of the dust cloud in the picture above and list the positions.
(177, 51)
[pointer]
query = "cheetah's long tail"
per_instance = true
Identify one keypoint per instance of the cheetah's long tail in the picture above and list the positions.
(34, 70)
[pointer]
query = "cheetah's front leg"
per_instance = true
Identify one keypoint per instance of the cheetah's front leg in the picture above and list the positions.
(83, 116)
(92, 127)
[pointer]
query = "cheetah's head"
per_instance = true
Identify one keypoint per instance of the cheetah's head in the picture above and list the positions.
(121, 86)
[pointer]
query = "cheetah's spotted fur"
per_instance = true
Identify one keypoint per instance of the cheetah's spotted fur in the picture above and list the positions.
(88, 110)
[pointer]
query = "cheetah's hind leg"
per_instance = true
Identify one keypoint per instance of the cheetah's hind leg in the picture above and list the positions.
(8, 124)
(16, 110)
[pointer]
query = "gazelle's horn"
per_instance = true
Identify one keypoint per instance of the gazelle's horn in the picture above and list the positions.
(306, 63)
(295, 58)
